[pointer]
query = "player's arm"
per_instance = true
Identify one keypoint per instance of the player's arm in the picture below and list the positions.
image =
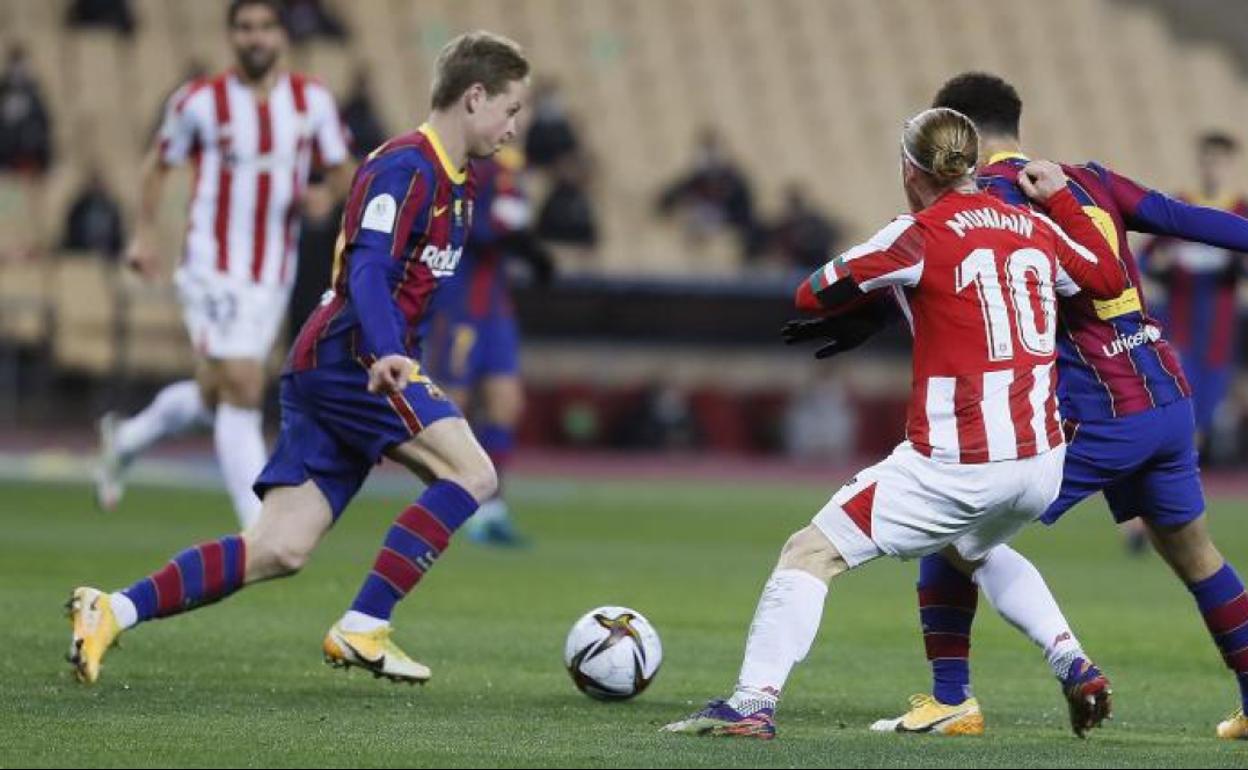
(377, 226)
(1082, 251)
(141, 253)
(177, 136)
(379, 321)
(333, 153)
(891, 257)
(845, 330)
(848, 293)
(1148, 211)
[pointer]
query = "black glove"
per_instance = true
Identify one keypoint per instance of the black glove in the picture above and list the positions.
(843, 332)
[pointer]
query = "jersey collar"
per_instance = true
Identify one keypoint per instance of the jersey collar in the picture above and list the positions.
(458, 176)
(1007, 155)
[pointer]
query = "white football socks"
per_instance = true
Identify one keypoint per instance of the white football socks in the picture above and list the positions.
(784, 627)
(358, 623)
(240, 450)
(123, 609)
(1015, 588)
(176, 408)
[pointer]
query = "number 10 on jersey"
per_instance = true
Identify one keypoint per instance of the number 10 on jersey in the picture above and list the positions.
(1028, 279)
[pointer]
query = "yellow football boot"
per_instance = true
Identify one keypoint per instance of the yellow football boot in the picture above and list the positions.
(928, 715)
(374, 651)
(1234, 727)
(95, 629)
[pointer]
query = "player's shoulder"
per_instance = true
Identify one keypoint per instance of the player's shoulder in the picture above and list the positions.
(311, 85)
(196, 90)
(1089, 171)
(307, 80)
(408, 153)
(903, 222)
(1000, 169)
(398, 168)
(906, 230)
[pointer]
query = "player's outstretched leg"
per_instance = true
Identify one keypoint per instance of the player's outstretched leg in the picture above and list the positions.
(947, 603)
(1018, 592)
(446, 452)
(292, 522)
(176, 408)
(784, 627)
(1220, 596)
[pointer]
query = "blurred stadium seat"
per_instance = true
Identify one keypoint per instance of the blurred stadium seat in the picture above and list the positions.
(806, 90)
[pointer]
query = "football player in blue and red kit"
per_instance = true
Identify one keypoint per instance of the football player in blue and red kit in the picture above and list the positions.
(984, 448)
(352, 391)
(1130, 430)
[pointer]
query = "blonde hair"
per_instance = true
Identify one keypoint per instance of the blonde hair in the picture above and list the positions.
(476, 57)
(942, 142)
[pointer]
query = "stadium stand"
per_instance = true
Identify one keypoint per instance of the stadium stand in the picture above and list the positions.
(807, 90)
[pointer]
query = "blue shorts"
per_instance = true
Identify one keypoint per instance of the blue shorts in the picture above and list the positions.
(460, 352)
(1145, 463)
(334, 431)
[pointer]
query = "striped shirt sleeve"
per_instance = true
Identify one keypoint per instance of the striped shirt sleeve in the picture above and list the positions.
(179, 130)
(331, 137)
(891, 257)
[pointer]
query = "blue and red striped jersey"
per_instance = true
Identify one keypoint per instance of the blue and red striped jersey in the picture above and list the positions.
(480, 289)
(402, 236)
(1202, 282)
(1112, 358)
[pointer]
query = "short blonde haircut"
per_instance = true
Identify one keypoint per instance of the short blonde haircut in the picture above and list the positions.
(476, 57)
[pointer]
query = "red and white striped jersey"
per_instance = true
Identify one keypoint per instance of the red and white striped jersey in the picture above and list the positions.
(977, 280)
(252, 160)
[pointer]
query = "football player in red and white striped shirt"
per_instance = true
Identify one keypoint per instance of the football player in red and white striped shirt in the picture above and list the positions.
(977, 280)
(253, 135)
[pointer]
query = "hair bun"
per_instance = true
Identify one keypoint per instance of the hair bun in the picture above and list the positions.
(942, 142)
(948, 164)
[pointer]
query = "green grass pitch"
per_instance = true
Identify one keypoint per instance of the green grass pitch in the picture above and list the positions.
(242, 684)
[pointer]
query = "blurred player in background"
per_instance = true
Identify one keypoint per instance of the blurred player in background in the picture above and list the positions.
(984, 450)
(1128, 420)
(352, 391)
(474, 343)
(1202, 288)
(253, 135)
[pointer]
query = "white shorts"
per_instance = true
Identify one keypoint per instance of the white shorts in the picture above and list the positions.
(230, 318)
(909, 505)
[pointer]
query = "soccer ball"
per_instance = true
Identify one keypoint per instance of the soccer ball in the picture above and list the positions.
(612, 653)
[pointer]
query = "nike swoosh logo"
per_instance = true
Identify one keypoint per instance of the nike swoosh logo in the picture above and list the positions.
(437, 212)
(380, 662)
(901, 726)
